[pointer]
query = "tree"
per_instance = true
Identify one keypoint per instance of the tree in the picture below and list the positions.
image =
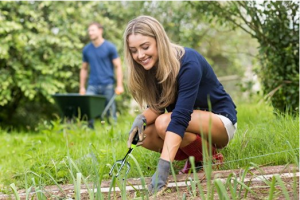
(41, 45)
(40, 52)
(275, 25)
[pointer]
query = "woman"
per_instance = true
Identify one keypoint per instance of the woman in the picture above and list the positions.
(168, 77)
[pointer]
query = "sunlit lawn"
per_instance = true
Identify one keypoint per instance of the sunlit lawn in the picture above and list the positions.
(44, 154)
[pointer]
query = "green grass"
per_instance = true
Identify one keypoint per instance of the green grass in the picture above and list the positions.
(45, 156)
(260, 132)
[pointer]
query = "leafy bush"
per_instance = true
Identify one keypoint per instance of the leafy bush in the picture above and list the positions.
(40, 53)
(275, 25)
(41, 44)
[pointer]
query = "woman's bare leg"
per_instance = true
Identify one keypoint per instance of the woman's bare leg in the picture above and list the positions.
(201, 121)
(152, 141)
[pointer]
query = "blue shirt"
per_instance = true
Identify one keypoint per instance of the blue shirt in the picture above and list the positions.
(196, 83)
(100, 61)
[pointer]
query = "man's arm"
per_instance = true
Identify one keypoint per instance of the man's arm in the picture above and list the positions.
(83, 77)
(119, 75)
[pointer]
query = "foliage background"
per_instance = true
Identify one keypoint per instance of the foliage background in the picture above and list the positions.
(40, 55)
(41, 44)
(275, 25)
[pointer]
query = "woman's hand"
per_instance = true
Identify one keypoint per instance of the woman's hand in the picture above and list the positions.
(138, 126)
(159, 180)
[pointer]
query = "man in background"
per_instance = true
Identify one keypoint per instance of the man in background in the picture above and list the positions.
(104, 62)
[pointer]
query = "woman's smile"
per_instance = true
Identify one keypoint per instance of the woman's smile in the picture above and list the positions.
(143, 50)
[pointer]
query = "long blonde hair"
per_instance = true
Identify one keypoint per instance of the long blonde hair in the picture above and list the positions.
(156, 87)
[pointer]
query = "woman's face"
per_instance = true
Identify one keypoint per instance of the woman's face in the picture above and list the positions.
(143, 50)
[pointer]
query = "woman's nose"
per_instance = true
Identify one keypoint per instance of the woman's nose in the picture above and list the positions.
(141, 54)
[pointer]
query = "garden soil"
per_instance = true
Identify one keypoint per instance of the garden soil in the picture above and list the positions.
(256, 179)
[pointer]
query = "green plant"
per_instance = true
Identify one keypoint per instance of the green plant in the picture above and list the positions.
(144, 187)
(13, 186)
(41, 52)
(278, 50)
(50, 155)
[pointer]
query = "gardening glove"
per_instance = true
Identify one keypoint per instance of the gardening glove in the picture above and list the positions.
(159, 180)
(138, 126)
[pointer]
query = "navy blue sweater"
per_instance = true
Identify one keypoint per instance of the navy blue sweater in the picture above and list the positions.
(196, 82)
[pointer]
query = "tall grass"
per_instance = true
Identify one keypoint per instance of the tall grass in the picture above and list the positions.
(260, 132)
(57, 157)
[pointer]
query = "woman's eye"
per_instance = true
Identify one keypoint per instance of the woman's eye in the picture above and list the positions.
(145, 48)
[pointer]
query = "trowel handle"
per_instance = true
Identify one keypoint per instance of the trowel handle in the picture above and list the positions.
(136, 138)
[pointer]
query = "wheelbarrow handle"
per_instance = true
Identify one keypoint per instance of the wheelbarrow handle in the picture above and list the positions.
(108, 106)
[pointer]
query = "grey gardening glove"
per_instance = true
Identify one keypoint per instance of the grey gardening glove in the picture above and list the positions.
(139, 125)
(159, 180)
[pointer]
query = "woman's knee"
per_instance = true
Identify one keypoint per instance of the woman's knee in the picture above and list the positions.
(161, 124)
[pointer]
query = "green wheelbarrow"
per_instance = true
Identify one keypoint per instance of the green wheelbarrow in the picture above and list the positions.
(74, 105)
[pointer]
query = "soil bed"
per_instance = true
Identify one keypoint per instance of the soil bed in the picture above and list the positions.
(255, 179)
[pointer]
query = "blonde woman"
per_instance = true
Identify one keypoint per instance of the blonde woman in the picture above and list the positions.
(177, 84)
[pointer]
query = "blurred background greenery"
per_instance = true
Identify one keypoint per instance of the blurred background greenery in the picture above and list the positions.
(252, 46)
